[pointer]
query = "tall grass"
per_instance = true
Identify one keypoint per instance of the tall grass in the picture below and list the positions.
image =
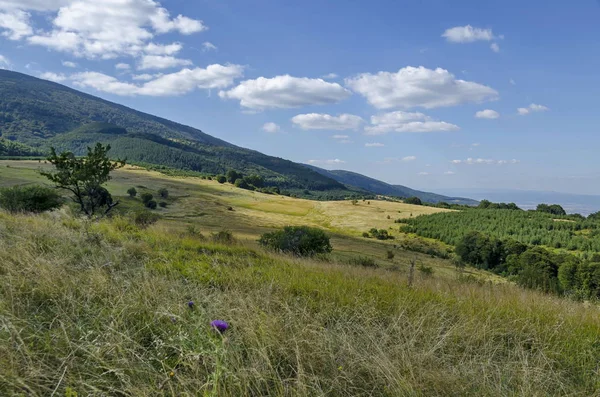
(101, 309)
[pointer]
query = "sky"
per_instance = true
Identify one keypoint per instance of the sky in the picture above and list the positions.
(429, 94)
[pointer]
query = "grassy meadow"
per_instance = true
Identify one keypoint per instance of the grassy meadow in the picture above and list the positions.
(102, 308)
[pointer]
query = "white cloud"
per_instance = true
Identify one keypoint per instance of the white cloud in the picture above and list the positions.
(69, 64)
(340, 137)
(326, 162)
(16, 24)
(467, 34)
(423, 173)
(163, 49)
(330, 76)
(208, 46)
(94, 28)
(495, 47)
(271, 127)
(145, 76)
(285, 92)
(374, 144)
(4, 61)
(473, 161)
(400, 121)
(122, 66)
(418, 87)
(161, 62)
(320, 121)
(409, 158)
(449, 173)
(346, 141)
(512, 82)
(532, 108)
(487, 114)
(56, 77)
(178, 83)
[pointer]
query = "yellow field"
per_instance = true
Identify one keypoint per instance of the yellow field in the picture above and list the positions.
(204, 205)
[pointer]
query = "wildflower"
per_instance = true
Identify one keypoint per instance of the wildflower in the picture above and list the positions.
(219, 325)
(171, 374)
(191, 304)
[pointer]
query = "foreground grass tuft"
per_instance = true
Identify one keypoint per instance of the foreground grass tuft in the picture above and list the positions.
(103, 309)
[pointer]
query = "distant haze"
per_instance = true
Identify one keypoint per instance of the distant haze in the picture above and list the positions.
(529, 199)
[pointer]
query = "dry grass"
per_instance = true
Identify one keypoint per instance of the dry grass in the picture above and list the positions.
(101, 309)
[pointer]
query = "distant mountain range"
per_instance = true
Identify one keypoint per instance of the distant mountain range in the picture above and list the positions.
(39, 114)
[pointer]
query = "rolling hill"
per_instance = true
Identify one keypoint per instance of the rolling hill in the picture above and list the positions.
(39, 113)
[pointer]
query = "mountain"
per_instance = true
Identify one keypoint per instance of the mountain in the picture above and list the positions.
(36, 114)
(379, 187)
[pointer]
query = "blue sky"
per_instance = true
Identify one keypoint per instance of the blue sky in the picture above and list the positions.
(398, 82)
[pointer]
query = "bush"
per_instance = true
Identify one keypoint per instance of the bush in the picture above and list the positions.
(426, 270)
(221, 179)
(223, 237)
(144, 218)
(163, 204)
(132, 192)
(390, 254)
(365, 235)
(380, 234)
(164, 193)
(413, 200)
(29, 199)
(297, 240)
(146, 197)
(363, 261)
(151, 204)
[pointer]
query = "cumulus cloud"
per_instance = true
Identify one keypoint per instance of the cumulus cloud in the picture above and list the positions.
(145, 76)
(467, 34)
(162, 49)
(271, 127)
(285, 92)
(330, 76)
(495, 47)
(340, 137)
(409, 158)
(161, 62)
(326, 162)
(418, 87)
(472, 161)
(374, 144)
(423, 173)
(56, 77)
(93, 28)
(320, 121)
(208, 46)
(449, 173)
(69, 64)
(400, 121)
(172, 84)
(4, 62)
(487, 114)
(122, 66)
(532, 108)
(512, 82)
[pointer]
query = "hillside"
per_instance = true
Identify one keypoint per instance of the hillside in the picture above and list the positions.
(111, 308)
(379, 187)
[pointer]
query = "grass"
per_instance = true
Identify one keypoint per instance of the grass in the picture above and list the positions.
(101, 309)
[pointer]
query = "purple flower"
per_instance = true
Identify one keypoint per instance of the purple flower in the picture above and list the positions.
(191, 304)
(219, 325)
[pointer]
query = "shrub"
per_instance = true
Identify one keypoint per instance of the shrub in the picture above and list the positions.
(221, 179)
(132, 192)
(29, 199)
(164, 193)
(363, 261)
(413, 200)
(151, 204)
(163, 204)
(426, 270)
(223, 237)
(390, 254)
(146, 197)
(380, 234)
(144, 218)
(365, 235)
(229, 208)
(297, 240)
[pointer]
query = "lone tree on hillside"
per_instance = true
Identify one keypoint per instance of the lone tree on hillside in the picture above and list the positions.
(84, 177)
(132, 192)
(413, 200)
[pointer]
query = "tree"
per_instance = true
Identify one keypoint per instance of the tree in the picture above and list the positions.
(233, 175)
(132, 192)
(146, 197)
(164, 193)
(221, 179)
(84, 178)
(151, 204)
(29, 199)
(553, 209)
(413, 200)
(256, 180)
